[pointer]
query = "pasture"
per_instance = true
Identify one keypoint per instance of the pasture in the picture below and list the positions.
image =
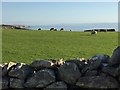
(28, 45)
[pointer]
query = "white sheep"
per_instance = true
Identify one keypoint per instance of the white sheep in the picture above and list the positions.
(93, 32)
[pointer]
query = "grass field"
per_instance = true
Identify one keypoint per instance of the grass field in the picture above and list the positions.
(28, 45)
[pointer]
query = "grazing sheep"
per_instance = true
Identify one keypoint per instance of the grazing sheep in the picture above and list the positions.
(93, 32)
(51, 29)
(62, 29)
(39, 28)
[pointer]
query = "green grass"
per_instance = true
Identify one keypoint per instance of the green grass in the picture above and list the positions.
(26, 46)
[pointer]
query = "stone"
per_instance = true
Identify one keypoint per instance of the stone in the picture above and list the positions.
(0, 83)
(118, 70)
(99, 72)
(79, 63)
(103, 74)
(104, 65)
(6, 67)
(38, 64)
(4, 82)
(74, 87)
(97, 82)
(119, 78)
(3, 69)
(91, 73)
(21, 71)
(41, 79)
(110, 71)
(56, 86)
(16, 83)
(32, 81)
(115, 58)
(102, 57)
(93, 65)
(69, 72)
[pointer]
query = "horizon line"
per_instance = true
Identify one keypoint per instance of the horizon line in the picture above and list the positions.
(58, 23)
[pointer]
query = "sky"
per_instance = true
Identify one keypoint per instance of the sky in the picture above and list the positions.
(47, 13)
(60, 0)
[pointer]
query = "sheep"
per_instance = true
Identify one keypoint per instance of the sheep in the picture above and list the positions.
(62, 29)
(93, 32)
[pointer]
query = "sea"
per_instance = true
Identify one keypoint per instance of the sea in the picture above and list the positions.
(76, 27)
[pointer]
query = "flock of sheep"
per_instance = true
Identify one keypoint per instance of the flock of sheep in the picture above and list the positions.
(93, 32)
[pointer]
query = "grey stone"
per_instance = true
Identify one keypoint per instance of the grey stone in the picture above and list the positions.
(16, 83)
(4, 82)
(32, 81)
(69, 72)
(118, 70)
(38, 64)
(6, 67)
(103, 74)
(74, 87)
(98, 82)
(41, 79)
(93, 65)
(21, 71)
(118, 78)
(56, 86)
(105, 64)
(79, 63)
(0, 83)
(91, 73)
(102, 57)
(115, 58)
(110, 71)
(3, 69)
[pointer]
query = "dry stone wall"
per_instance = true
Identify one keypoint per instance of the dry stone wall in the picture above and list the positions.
(99, 72)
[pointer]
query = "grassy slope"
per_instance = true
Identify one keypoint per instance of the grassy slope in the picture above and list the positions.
(26, 46)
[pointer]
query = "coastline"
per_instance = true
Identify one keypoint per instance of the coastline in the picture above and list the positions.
(66, 27)
(76, 27)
